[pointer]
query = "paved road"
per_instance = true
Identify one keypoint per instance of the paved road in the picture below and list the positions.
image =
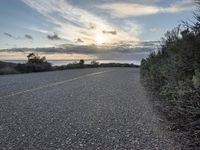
(103, 108)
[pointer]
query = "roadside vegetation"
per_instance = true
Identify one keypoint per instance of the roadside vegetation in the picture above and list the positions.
(172, 75)
(93, 64)
(36, 63)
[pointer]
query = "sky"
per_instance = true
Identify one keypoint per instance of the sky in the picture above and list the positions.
(87, 29)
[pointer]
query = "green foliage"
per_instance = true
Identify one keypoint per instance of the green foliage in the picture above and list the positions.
(196, 79)
(173, 75)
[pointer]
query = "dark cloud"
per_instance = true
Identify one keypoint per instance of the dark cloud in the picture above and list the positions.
(109, 32)
(106, 53)
(86, 49)
(28, 37)
(124, 50)
(119, 52)
(148, 43)
(80, 40)
(53, 37)
(92, 26)
(9, 35)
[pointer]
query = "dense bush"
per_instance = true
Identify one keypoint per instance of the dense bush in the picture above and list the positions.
(173, 76)
(7, 68)
(33, 67)
(34, 64)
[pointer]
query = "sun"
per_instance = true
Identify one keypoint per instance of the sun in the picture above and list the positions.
(100, 39)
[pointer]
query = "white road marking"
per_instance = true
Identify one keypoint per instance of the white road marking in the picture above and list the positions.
(54, 84)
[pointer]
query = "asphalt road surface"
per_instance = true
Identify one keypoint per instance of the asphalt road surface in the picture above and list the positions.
(105, 109)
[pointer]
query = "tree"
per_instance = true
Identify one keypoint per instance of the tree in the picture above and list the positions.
(35, 59)
(81, 62)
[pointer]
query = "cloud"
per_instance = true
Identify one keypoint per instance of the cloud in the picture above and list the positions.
(92, 26)
(119, 51)
(80, 40)
(128, 9)
(71, 21)
(53, 37)
(109, 32)
(36, 29)
(122, 47)
(148, 44)
(184, 5)
(120, 10)
(9, 35)
(28, 36)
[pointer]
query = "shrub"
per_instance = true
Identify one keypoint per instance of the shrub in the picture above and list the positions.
(81, 62)
(173, 76)
(35, 64)
(196, 79)
(8, 70)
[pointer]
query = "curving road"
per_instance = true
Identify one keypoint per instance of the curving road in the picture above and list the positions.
(104, 108)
